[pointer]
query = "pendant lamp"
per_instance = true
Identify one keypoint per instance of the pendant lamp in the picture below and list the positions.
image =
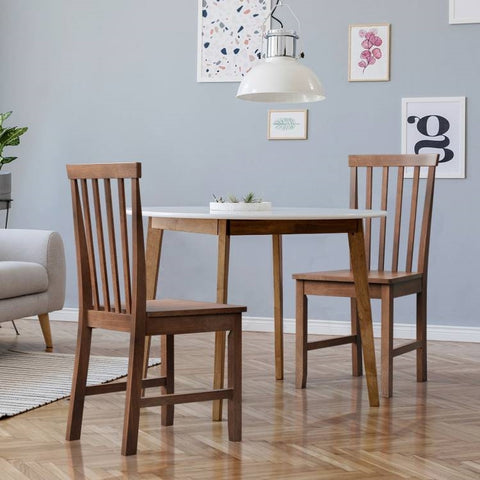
(279, 77)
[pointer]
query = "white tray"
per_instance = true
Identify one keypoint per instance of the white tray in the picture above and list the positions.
(239, 206)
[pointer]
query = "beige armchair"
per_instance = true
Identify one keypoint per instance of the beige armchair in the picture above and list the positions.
(32, 276)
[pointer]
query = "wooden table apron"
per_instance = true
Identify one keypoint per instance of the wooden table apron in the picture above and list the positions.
(224, 229)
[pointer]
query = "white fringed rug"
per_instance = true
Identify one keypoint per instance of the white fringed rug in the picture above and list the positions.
(31, 379)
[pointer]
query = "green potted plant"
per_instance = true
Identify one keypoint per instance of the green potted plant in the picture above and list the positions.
(248, 203)
(9, 137)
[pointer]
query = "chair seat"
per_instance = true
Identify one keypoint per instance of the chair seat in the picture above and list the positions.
(169, 307)
(345, 276)
(168, 316)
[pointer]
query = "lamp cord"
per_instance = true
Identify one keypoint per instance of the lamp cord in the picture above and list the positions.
(274, 17)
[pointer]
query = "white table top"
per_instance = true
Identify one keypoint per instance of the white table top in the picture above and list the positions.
(276, 213)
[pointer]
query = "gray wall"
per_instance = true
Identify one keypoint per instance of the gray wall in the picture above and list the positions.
(115, 80)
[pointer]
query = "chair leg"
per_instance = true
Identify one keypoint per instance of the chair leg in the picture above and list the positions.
(79, 383)
(133, 394)
(235, 382)
(422, 336)
(46, 331)
(146, 358)
(357, 370)
(387, 343)
(167, 370)
(301, 335)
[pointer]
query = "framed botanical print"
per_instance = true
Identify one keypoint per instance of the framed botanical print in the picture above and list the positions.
(287, 124)
(369, 53)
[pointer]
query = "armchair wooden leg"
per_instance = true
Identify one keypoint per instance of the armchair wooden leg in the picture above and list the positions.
(235, 382)
(46, 331)
(301, 336)
(387, 343)
(422, 336)
(167, 370)
(357, 370)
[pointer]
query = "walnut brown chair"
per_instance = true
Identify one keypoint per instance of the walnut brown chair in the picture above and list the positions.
(112, 295)
(405, 242)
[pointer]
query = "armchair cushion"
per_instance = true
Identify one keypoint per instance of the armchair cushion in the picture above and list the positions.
(42, 289)
(22, 278)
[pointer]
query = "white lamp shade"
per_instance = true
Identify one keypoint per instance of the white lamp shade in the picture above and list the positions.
(281, 80)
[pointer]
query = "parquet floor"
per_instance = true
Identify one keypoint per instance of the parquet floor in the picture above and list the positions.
(328, 431)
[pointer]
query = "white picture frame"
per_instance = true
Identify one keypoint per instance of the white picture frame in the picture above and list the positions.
(229, 41)
(464, 11)
(369, 52)
(287, 124)
(436, 125)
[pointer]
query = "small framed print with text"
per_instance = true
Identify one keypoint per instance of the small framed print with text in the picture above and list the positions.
(436, 125)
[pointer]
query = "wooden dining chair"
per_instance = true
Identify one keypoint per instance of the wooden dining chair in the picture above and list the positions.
(404, 241)
(112, 295)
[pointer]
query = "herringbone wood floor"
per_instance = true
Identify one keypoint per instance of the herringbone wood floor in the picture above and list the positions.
(328, 431)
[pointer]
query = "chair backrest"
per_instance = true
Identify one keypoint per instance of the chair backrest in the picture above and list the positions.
(374, 193)
(110, 252)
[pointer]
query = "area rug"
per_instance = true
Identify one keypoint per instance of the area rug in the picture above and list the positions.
(31, 379)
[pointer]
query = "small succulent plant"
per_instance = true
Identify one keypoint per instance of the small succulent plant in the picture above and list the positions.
(218, 199)
(248, 198)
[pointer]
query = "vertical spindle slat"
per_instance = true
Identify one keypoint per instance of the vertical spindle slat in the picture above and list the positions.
(353, 187)
(426, 224)
(383, 221)
(101, 245)
(413, 219)
(125, 251)
(83, 267)
(368, 221)
(398, 219)
(90, 243)
(112, 245)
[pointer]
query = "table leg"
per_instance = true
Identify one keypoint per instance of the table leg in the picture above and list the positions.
(278, 304)
(359, 269)
(152, 259)
(152, 255)
(222, 296)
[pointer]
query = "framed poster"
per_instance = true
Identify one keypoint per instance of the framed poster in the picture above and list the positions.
(436, 125)
(287, 124)
(369, 53)
(464, 11)
(229, 38)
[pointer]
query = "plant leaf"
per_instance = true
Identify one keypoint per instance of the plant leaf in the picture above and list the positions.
(5, 160)
(4, 116)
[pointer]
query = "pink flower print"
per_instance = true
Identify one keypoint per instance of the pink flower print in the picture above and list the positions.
(366, 54)
(366, 44)
(377, 53)
(369, 54)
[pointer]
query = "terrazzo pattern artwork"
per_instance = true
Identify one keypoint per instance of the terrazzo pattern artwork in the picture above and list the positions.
(229, 38)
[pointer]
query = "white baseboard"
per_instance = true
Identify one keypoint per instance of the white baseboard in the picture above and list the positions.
(331, 327)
